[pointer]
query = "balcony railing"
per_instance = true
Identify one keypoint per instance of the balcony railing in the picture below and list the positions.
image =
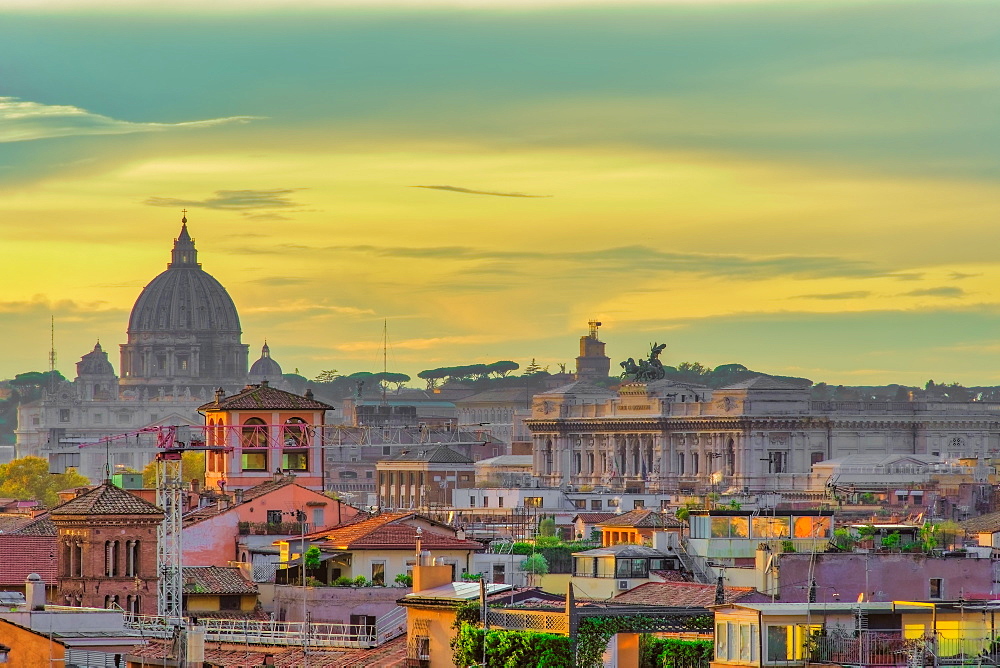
(273, 528)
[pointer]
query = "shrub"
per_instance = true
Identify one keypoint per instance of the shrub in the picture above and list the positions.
(343, 581)
(536, 564)
(404, 580)
(361, 581)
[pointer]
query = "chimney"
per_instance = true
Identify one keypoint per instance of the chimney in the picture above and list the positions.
(309, 393)
(264, 382)
(34, 592)
(239, 495)
(195, 485)
(219, 393)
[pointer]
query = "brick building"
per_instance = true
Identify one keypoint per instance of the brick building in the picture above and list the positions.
(106, 550)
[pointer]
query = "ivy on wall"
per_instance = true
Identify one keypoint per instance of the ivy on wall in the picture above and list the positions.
(510, 649)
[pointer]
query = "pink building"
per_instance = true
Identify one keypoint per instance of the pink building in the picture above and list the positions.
(212, 534)
(893, 576)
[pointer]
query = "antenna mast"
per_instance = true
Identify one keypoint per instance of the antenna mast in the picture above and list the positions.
(52, 354)
(385, 344)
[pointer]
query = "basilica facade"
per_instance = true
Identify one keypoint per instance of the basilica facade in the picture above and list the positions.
(758, 436)
(184, 340)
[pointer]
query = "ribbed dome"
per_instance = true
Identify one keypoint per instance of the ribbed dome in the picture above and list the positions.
(184, 298)
(265, 367)
(95, 363)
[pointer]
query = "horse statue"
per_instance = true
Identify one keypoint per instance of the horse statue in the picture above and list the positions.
(648, 369)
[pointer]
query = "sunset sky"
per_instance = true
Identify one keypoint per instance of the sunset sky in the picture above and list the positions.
(808, 188)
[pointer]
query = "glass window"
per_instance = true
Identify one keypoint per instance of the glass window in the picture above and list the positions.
(254, 434)
(622, 568)
(771, 527)
(745, 640)
(778, 644)
(295, 460)
(533, 502)
(595, 504)
(296, 432)
(812, 527)
(721, 646)
(254, 460)
(936, 587)
(378, 572)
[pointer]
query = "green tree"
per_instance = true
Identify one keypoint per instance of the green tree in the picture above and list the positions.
(312, 558)
(192, 468)
(547, 527)
(503, 367)
(29, 478)
(326, 376)
(536, 564)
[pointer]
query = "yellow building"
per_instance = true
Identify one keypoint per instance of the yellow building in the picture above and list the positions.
(891, 633)
(218, 591)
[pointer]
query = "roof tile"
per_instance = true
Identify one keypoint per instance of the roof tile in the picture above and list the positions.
(253, 397)
(679, 594)
(106, 499)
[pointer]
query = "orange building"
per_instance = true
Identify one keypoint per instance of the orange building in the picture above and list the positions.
(267, 430)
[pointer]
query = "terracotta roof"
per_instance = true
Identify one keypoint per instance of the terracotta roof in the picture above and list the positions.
(21, 556)
(988, 523)
(249, 494)
(440, 454)
(593, 518)
(387, 531)
(106, 499)
(9, 523)
(404, 537)
(216, 580)
(253, 397)
(679, 594)
(641, 518)
(40, 526)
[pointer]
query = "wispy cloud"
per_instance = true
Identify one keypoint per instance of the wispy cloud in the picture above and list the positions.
(23, 120)
(235, 200)
(944, 291)
(855, 294)
(468, 191)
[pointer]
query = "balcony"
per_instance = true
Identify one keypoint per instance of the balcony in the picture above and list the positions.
(273, 528)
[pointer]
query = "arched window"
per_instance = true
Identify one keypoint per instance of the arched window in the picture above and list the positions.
(254, 441)
(132, 558)
(254, 433)
(296, 433)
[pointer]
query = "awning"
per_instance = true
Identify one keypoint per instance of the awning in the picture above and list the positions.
(902, 492)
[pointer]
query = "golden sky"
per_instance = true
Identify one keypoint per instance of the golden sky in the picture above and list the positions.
(805, 188)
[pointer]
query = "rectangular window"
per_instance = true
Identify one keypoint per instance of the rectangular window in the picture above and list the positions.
(295, 460)
(638, 504)
(580, 503)
(472, 502)
(596, 504)
(777, 461)
(229, 602)
(386, 450)
(486, 502)
(254, 460)
(98, 418)
(274, 517)
(937, 588)
(532, 502)
(612, 503)
(378, 573)
(64, 415)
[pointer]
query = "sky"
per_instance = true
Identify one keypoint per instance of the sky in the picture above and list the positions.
(807, 188)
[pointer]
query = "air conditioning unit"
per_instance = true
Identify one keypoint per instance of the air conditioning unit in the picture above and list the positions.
(623, 584)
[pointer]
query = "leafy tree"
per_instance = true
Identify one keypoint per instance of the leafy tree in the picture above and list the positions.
(312, 557)
(192, 468)
(29, 385)
(503, 367)
(29, 478)
(547, 527)
(396, 379)
(326, 376)
(536, 564)
(534, 369)
(432, 376)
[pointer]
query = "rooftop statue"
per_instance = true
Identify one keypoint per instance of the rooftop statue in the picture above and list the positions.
(645, 369)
